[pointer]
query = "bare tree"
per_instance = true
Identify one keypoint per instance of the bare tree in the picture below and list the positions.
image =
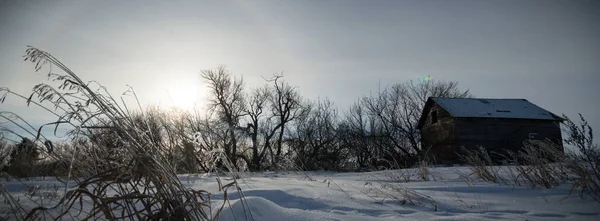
(315, 138)
(227, 100)
(359, 133)
(398, 109)
(285, 107)
(255, 110)
(269, 110)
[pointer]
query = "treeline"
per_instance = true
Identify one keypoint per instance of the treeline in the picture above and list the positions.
(271, 127)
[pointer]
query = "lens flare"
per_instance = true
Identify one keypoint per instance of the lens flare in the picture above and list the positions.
(425, 79)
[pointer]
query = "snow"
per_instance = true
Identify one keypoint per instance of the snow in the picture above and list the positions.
(493, 108)
(363, 196)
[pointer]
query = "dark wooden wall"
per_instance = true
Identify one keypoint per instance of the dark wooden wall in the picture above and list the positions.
(501, 135)
(448, 134)
(438, 138)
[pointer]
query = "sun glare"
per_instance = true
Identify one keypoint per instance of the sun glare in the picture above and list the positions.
(182, 94)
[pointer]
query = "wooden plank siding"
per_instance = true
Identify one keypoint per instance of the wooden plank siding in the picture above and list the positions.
(438, 138)
(502, 135)
(498, 125)
(445, 137)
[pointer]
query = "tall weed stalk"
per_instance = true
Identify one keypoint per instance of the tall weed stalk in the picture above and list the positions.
(137, 181)
(584, 161)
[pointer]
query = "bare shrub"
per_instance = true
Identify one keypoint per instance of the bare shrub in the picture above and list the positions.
(314, 141)
(23, 158)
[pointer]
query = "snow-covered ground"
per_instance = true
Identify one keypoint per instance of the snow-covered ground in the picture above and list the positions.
(373, 196)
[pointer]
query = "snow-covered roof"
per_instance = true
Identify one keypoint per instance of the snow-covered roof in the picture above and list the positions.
(494, 108)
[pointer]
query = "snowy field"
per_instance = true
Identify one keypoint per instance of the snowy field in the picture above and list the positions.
(373, 196)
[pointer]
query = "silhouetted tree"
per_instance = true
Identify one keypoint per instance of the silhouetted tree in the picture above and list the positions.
(361, 133)
(227, 100)
(397, 111)
(285, 107)
(23, 159)
(315, 138)
(255, 110)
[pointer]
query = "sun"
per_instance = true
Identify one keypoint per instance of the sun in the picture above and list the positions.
(182, 94)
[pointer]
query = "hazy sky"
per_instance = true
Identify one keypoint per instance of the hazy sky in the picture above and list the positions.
(545, 51)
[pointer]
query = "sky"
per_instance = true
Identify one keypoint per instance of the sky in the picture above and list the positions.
(547, 52)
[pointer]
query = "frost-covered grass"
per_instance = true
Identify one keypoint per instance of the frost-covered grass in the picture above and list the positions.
(373, 196)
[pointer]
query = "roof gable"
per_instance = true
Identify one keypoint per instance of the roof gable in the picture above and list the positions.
(494, 108)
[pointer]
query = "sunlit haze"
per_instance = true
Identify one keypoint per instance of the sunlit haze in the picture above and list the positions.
(545, 51)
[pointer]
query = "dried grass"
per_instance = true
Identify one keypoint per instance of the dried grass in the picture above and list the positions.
(584, 162)
(536, 165)
(399, 193)
(480, 163)
(133, 180)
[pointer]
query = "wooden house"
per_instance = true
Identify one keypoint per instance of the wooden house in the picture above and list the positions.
(499, 125)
